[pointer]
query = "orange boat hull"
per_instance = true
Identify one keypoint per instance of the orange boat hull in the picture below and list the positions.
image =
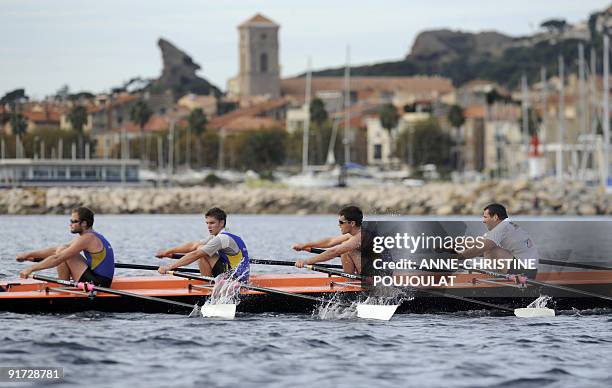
(37, 296)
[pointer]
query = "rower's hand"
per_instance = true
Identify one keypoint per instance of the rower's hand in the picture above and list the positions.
(25, 273)
(23, 257)
(298, 247)
(300, 263)
(163, 269)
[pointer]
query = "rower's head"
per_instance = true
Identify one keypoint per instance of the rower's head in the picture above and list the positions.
(215, 220)
(349, 219)
(81, 219)
(493, 214)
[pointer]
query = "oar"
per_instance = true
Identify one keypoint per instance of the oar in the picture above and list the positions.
(380, 312)
(222, 310)
(432, 292)
(523, 279)
(88, 287)
(367, 311)
(289, 263)
(267, 262)
(152, 267)
(574, 265)
(182, 273)
(315, 250)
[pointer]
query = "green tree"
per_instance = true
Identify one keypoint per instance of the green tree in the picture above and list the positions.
(140, 115)
(455, 116)
(261, 150)
(318, 114)
(14, 97)
(19, 125)
(389, 118)
(197, 121)
(430, 144)
(533, 121)
(554, 25)
(78, 117)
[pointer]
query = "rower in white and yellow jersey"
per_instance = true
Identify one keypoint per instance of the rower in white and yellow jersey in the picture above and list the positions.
(220, 252)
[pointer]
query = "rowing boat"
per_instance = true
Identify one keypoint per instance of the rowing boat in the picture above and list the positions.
(33, 296)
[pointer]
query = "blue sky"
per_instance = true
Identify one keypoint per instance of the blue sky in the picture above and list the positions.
(97, 45)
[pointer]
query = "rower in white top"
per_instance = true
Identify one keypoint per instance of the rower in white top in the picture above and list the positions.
(506, 241)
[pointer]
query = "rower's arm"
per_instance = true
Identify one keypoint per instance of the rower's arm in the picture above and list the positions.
(347, 246)
(187, 259)
(323, 243)
(39, 254)
(476, 252)
(74, 248)
(187, 247)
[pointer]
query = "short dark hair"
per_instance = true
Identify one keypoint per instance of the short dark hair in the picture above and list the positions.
(497, 209)
(352, 213)
(85, 214)
(217, 213)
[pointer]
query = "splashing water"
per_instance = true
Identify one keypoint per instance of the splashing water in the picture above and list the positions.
(540, 302)
(332, 310)
(226, 290)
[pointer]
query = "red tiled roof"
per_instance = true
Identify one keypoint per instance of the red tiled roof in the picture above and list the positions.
(418, 85)
(155, 123)
(257, 19)
(475, 112)
(46, 116)
(117, 101)
(242, 124)
(221, 121)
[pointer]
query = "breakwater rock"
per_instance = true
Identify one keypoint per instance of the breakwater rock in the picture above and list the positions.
(546, 197)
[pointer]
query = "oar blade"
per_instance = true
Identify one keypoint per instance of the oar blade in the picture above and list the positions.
(376, 311)
(223, 311)
(530, 312)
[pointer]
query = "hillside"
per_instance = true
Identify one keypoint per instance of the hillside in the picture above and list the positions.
(464, 56)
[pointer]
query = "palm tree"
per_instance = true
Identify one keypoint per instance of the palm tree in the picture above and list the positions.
(318, 115)
(456, 120)
(140, 115)
(19, 125)
(197, 121)
(78, 117)
(389, 118)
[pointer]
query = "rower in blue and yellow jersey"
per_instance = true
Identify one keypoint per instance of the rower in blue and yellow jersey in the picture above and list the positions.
(96, 265)
(220, 252)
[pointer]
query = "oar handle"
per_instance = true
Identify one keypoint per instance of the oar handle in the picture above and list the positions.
(574, 265)
(152, 267)
(318, 268)
(91, 287)
(315, 250)
(289, 263)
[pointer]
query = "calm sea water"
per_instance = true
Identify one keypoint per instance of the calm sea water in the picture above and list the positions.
(157, 350)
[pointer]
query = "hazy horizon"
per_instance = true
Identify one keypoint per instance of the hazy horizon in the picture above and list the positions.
(96, 46)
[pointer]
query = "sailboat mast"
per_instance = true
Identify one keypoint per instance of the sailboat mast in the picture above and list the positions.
(306, 137)
(606, 110)
(561, 119)
(347, 105)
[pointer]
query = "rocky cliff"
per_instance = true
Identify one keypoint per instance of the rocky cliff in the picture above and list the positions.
(179, 74)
